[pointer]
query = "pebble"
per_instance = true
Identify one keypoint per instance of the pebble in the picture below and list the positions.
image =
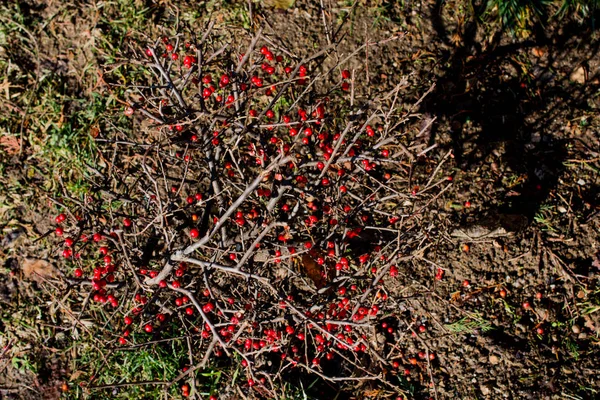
(576, 329)
(494, 359)
(485, 390)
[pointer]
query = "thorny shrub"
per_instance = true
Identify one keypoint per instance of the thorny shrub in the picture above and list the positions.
(256, 214)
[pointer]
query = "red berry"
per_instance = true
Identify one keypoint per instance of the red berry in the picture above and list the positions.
(128, 320)
(148, 328)
(224, 80)
(68, 242)
(540, 331)
(78, 273)
(194, 233)
(345, 74)
(59, 231)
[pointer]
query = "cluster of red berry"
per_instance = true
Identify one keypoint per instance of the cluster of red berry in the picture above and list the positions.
(253, 151)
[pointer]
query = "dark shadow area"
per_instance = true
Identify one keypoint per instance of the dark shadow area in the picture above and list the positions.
(498, 100)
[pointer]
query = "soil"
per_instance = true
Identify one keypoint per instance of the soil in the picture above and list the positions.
(518, 121)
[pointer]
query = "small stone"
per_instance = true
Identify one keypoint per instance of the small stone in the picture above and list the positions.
(485, 390)
(576, 329)
(578, 75)
(494, 359)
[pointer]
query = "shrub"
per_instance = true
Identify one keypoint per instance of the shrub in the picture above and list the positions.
(255, 212)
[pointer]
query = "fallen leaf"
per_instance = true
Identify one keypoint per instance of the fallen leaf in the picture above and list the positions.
(537, 51)
(11, 144)
(75, 375)
(589, 323)
(37, 269)
(455, 297)
(314, 270)
(281, 4)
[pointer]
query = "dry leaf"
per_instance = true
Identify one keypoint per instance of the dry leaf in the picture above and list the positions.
(38, 270)
(589, 323)
(455, 297)
(11, 144)
(314, 270)
(537, 51)
(281, 4)
(75, 375)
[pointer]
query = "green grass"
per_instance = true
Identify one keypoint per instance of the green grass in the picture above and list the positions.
(147, 364)
(544, 218)
(469, 324)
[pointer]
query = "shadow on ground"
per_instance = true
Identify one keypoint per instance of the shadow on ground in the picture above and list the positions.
(495, 103)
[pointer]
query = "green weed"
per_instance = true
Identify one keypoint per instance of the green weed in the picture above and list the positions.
(469, 324)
